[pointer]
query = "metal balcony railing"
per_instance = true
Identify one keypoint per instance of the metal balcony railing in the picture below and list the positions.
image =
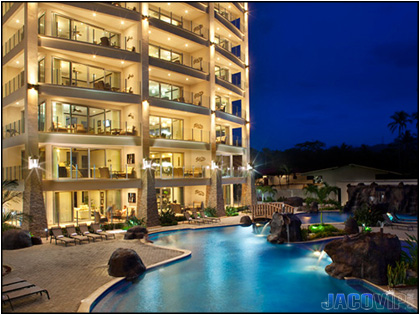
(13, 41)
(14, 84)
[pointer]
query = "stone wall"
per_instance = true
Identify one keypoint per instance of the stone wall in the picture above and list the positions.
(399, 198)
(147, 203)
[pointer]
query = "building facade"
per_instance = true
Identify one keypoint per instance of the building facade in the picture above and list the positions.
(97, 94)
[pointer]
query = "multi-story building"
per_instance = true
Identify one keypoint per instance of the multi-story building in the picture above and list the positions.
(94, 93)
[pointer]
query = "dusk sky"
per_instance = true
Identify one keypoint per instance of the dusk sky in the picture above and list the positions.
(333, 72)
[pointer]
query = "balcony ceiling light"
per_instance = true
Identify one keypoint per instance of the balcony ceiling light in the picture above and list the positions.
(218, 28)
(169, 74)
(122, 22)
(169, 38)
(169, 3)
(94, 56)
(186, 11)
(186, 79)
(17, 103)
(150, 32)
(229, 7)
(17, 61)
(230, 63)
(230, 35)
(218, 58)
(122, 62)
(17, 21)
(150, 69)
(94, 14)
(218, 89)
(186, 45)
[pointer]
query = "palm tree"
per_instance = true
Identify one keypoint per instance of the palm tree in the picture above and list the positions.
(9, 195)
(399, 121)
(266, 190)
(287, 171)
(321, 193)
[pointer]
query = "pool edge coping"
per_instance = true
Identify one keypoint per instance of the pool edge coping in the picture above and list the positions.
(382, 290)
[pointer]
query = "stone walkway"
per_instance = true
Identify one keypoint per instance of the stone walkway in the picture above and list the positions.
(72, 273)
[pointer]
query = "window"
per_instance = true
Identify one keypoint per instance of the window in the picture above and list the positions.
(41, 117)
(222, 103)
(222, 73)
(41, 24)
(41, 70)
(166, 91)
(166, 128)
(222, 134)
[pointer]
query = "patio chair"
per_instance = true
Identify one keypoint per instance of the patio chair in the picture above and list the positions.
(8, 297)
(191, 220)
(85, 231)
(397, 225)
(394, 218)
(97, 229)
(213, 219)
(104, 172)
(16, 286)
(10, 281)
(71, 231)
(58, 236)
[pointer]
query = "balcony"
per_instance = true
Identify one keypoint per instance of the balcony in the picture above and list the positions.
(176, 57)
(132, 6)
(14, 84)
(240, 171)
(169, 171)
(13, 41)
(229, 19)
(196, 135)
(13, 129)
(178, 25)
(12, 172)
(235, 141)
(81, 31)
(6, 6)
(96, 172)
(97, 127)
(232, 83)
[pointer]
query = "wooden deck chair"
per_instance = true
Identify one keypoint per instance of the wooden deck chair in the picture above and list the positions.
(58, 236)
(71, 231)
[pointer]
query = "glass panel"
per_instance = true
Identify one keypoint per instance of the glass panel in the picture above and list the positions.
(176, 57)
(165, 91)
(95, 34)
(153, 88)
(166, 165)
(154, 127)
(112, 81)
(97, 164)
(81, 205)
(61, 162)
(166, 128)
(61, 27)
(178, 195)
(113, 199)
(178, 129)
(60, 117)
(80, 31)
(96, 78)
(41, 24)
(115, 40)
(41, 117)
(63, 207)
(41, 70)
(80, 165)
(96, 116)
(61, 72)
(79, 75)
(113, 159)
(165, 54)
(79, 119)
(153, 51)
(176, 93)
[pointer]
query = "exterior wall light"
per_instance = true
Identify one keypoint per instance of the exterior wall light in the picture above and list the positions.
(212, 44)
(249, 167)
(145, 17)
(33, 86)
(147, 164)
(214, 166)
(33, 163)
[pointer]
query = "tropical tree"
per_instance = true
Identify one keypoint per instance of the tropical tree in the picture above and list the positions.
(9, 196)
(287, 171)
(321, 193)
(399, 121)
(270, 190)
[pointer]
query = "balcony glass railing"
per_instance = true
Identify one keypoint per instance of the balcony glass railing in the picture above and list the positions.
(13, 41)
(96, 171)
(14, 84)
(106, 127)
(228, 46)
(177, 57)
(233, 171)
(178, 21)
(169, 171)
(230, 17)
(232, 80)
(13, 129)
(12, 172)
(127, 5)
(187, 134)
(229, 140)
(81, 31)
(6, 6)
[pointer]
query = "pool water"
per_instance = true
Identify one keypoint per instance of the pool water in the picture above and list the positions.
(231, 269)
(328, 217)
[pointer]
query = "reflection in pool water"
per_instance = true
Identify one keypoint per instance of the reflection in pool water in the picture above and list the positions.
(230, 270)
(328, 217)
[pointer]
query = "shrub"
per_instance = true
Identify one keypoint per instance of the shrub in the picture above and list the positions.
(369, 215)
(167, 217)
(304, 233)
(134, 221)
(231, 211)
(323, 230)
(210, 212)
(398, 274)
(412, 259)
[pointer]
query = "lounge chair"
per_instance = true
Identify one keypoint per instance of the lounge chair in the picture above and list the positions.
(10, 281)
(58, 236)
(8, 297)
(397, 225)
(97, 229)
(191, 220)
(85, 231)
(71, 231)
(394, 218)
(16, 286)
(213, 219)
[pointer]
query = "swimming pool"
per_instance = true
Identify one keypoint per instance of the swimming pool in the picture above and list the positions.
(328, 217)
(230, 270)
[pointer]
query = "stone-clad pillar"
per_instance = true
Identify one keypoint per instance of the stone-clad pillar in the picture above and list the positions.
(215, 193)
(249, 195)
(146, 203)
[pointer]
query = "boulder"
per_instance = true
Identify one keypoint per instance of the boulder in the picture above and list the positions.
(350, 226)
(126, 263)
(314, 207)
(364, 255)
(15, 239)
(294, 201)
(280, 223)
(245, 221)
(36, 240)
(136, 232)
